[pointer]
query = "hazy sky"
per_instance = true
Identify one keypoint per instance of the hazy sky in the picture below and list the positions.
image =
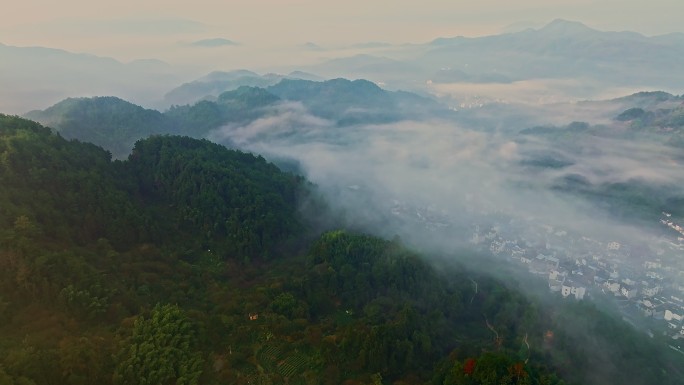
(118, 27)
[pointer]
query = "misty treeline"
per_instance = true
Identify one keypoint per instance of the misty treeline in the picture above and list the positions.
(628, 168)
(189, 263)
(116, 124)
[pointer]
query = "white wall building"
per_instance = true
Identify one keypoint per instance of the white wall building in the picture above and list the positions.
(572, 289)
(612, 286)
(672, 316)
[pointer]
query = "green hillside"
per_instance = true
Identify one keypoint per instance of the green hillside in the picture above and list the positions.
(189, 263)
(239, 106)
(359, 101)
(109, 122)
(116, 124)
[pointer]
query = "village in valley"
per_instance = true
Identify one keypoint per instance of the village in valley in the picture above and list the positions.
(643, 279)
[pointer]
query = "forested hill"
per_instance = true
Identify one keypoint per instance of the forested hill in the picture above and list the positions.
(171, 188)
(116, 124)
(186, 264)
(110, 122)
(348, 102)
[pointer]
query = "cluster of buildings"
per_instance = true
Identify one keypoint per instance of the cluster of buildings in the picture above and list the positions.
(646, 282)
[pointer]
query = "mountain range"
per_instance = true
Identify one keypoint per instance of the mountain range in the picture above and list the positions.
(116, 124)
(568, 57)
(35, 77)
(559, 50)
(215, 83)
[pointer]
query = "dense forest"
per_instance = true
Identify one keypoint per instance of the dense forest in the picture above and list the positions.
(109, 122)
(189, 263)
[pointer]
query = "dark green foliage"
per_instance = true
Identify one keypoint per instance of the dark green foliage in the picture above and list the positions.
(235, 107)
(236, 203)
(108, 122)
(198, 119)
(162, 350)
(90, 248)
(233, 200)
(80, 235)
(403, 315)
(238, 106)
(74, 187)
(116, 124)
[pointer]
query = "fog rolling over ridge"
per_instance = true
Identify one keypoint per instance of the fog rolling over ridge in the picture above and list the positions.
(434, 179)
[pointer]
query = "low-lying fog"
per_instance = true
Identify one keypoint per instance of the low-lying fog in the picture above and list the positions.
(413, 178)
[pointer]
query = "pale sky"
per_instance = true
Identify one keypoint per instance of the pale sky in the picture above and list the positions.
(128, 29)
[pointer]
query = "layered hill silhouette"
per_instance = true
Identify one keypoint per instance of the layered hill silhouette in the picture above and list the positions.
(116, 124)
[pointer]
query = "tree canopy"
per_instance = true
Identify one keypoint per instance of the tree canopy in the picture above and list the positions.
(189, 263)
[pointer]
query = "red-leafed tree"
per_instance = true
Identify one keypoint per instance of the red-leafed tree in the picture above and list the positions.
(469, 366)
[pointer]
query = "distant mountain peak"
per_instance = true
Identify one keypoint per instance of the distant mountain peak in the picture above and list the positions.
(305, 76)
(563, 26)
(213, 43)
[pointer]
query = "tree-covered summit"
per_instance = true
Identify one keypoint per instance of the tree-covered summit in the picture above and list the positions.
(169, 189)
(106, 121)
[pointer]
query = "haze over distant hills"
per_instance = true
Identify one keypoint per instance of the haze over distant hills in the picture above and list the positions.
(33, 77)
(563, 60)
(584, 60)
(217, 82)
(269, 113)
(564, 49)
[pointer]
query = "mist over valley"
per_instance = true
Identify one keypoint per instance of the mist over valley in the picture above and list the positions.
(506, 208)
